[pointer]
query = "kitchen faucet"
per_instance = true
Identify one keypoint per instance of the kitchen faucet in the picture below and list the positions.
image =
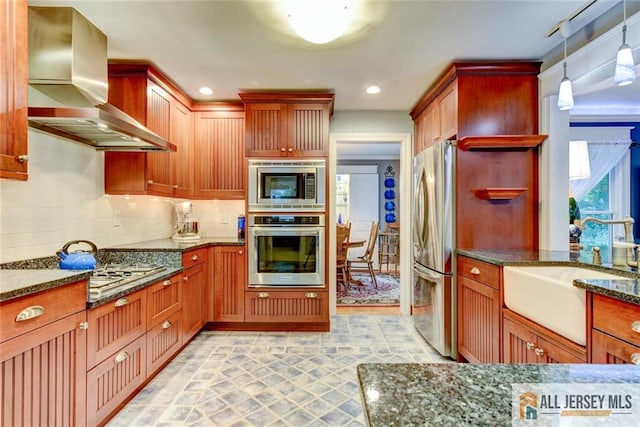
(632, 260)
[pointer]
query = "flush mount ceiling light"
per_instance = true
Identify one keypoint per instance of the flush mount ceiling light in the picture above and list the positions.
(319, 21)
(205, 91)
(372, 90)
(625, 72)
(565, 94)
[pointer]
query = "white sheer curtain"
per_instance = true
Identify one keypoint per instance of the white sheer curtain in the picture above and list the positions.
(603, 156)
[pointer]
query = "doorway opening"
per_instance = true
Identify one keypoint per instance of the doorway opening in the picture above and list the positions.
(370, 181)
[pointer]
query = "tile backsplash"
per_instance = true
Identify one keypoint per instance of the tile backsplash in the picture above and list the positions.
(64, 200)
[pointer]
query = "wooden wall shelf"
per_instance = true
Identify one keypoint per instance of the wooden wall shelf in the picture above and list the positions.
(502, 193)
(500, 141)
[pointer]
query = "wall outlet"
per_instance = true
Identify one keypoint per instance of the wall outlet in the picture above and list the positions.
(224, 219)
(116, 218)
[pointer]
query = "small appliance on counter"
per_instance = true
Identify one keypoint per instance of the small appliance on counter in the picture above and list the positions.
(77, 260)
(186, 229)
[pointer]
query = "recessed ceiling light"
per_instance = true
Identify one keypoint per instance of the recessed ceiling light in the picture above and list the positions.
(372, 90)
(205, 90)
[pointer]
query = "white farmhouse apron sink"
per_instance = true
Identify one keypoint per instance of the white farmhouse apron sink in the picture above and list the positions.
(546, 295)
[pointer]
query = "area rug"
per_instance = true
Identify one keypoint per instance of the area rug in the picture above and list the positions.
(387, 293)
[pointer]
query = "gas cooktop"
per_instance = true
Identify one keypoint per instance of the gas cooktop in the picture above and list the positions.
(113, 276)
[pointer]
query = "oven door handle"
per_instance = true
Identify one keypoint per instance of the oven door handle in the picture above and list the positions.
(284, 230)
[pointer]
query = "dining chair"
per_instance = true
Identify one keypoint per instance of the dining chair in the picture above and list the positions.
(367, 257)
(342, 247)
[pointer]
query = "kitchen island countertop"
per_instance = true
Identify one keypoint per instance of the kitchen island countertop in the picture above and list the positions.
(452, 394)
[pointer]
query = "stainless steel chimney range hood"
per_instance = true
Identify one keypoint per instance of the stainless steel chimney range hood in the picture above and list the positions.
(68, 69)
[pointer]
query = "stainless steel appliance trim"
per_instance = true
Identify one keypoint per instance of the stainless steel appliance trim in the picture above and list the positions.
(435, 323)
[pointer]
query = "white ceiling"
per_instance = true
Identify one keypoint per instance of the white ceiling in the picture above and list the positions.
(402, 46)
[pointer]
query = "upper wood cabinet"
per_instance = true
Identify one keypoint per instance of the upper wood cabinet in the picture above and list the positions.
(287, 124)
(219, 155)
(14, 70)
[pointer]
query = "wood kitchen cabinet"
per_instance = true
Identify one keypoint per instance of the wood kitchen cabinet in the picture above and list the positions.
(299, 307)
(164, 320)
(527, 342)
(479, 310)
(615, 337)
(13, 98)
(229, 283)
(438, 120)
(194, 293)
(219, 155)
(43, 358)
(287, 124)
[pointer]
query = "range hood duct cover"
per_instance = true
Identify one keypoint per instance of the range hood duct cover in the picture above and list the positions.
(68, 64)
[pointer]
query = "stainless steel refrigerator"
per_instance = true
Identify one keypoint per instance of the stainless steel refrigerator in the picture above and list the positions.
(433, 243)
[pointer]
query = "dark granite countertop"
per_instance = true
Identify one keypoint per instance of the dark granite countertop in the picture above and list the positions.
(16, 283)
(627, 288)
(454, 394)
(169, 245)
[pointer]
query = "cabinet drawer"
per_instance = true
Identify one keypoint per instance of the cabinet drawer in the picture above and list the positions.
(191, 258)
(618, 318)
(163, 299)
(286, 306)
(114, 325)
(114, 380)
(162, 342)
(607, 349)
(489, 274)
(25, 314)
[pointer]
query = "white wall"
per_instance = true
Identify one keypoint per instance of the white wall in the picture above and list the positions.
(352, 121)
(64, 200)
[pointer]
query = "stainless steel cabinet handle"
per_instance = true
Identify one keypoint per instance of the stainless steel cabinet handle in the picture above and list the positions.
(121, 302)
(311, 295)
(635, 326)
(185, 279)
(539, 352)
(84, 326)
(175, 186)
(150, 182)
(635, 358)
(121, 357)
(30, 313)
(166, 324)
(23, 158)
(475, 270)
(194, 258)
(530, 346)
(166, 282)
(263, 295)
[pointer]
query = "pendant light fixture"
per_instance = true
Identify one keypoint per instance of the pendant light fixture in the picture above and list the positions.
(625, 72)
(565, 94)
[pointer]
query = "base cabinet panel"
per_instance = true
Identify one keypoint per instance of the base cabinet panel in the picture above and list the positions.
(229, 282)
(527, 342)
(194, 301)
(111, 382)
(608, 349)
(44, 376)
(163, 341)
(289, 306)
(478, 321)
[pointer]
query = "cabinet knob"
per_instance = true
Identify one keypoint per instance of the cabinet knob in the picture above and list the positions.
(240, 252)
(166, 282)
(185, 279)
(84, 326)
(283, 149)
(290, 150)
(635, 358)
(530, 346)
(539, 352)
(121, 357)
(194, 258)
(475, 270)
(311, 295)
(166, 324)
(174, 186)
(30, 313)
(635, 326)
(150, 182)
(263, 295)
(23, 158)
(121, 302)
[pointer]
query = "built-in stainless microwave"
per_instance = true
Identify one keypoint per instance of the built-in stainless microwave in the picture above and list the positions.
(287, 185)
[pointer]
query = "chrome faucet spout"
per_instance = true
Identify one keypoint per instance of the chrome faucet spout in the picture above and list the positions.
(633, 254)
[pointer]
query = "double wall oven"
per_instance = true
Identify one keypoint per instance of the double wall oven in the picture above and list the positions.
(286, 223)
